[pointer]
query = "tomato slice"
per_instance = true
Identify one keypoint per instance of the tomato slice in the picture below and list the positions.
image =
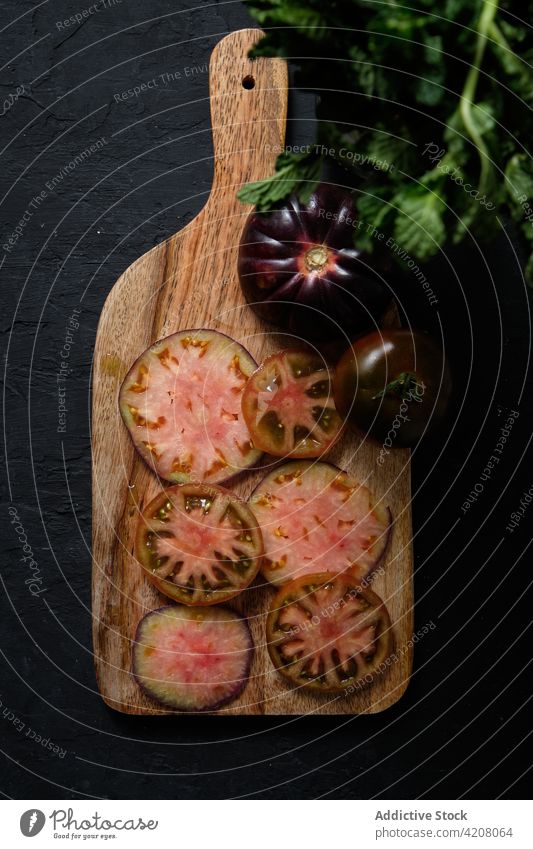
(199, 544)
(327, 633)
(316, 518)
(288, 406)
(181, 402)
(192, 659)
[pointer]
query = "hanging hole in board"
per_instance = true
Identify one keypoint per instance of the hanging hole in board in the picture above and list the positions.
(248, 82)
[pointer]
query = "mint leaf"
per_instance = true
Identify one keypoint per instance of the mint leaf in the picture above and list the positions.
(483, 117)
(419, 226)
(295, 174)
(303, 17)
(519, 177)
(374, 208)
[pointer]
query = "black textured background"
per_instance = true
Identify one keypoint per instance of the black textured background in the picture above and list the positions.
(460, 728)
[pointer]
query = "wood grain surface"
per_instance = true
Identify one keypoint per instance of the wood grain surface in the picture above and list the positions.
(190, 281)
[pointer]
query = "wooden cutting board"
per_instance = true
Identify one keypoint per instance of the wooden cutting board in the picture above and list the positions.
(190, 281)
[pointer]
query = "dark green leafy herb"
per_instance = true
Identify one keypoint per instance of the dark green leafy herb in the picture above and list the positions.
(428, 104)
(295, 173)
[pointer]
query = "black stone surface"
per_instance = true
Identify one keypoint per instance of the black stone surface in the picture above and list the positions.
(460, 728)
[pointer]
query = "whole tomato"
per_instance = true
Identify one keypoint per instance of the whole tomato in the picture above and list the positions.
(393, 384)
(300, 268)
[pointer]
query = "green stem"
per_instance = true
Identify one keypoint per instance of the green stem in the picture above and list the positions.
(497, 35)
(401, 387)
(485, 22)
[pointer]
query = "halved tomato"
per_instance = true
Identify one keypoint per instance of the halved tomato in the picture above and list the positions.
(199, 544)
(327, 633)
(288, 405)
(192, 659)
(181, 402)
(316, 518)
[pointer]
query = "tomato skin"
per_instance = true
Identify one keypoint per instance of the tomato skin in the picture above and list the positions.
(372, 364)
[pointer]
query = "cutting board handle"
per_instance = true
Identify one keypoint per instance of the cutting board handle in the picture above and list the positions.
(248, 110)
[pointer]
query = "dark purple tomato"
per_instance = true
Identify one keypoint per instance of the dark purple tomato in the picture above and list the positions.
(393, 385)
(299, 268)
